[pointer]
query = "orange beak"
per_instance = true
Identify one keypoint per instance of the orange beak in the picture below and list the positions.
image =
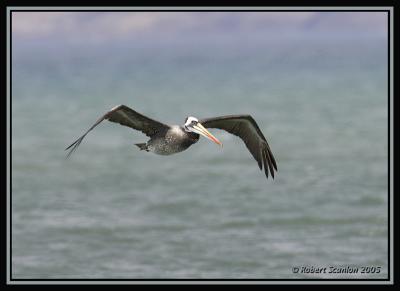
(200, 129)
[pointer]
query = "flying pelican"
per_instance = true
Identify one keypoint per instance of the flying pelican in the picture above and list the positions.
(168, 140)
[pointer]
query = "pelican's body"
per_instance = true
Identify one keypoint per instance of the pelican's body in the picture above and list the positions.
(170, 139)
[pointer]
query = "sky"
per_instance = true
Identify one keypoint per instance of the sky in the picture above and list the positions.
(98, 27)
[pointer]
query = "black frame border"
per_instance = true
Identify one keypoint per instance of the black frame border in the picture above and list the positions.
(248, 9)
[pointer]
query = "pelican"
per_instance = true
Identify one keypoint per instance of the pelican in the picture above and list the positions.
(170, 139)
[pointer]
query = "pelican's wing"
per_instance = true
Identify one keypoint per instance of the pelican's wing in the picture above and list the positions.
(245, 127)
(126, 116)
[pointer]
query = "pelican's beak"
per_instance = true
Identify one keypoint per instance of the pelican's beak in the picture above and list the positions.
(200, 129)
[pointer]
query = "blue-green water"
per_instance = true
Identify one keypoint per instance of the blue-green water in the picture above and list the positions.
(112, 211)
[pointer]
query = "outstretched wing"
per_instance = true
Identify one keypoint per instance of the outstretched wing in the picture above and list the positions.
(125, 116)
(245, 127)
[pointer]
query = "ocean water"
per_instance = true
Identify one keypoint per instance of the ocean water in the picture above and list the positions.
(111, 211)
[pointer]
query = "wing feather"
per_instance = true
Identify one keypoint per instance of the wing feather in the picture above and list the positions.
(245, 127)
(125, 116)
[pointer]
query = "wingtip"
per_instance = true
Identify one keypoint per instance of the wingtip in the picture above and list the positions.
(272, 175)
(69, 154)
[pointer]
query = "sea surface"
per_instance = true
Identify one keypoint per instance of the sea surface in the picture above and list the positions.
(112, 211)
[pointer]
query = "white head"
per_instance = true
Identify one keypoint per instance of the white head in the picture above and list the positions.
(192, 124)
(190, 121)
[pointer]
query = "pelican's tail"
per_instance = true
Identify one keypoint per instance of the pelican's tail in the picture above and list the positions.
(142, 146)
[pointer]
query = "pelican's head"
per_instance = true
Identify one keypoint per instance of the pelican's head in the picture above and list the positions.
(192, 124)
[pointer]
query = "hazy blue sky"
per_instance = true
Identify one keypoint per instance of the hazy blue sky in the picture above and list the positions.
(106, 26)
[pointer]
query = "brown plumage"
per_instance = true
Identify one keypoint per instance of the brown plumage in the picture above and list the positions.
(167, 140)
(245, 127)
(125, 116)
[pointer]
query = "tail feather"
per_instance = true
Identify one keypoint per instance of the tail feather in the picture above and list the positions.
(142, 146)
